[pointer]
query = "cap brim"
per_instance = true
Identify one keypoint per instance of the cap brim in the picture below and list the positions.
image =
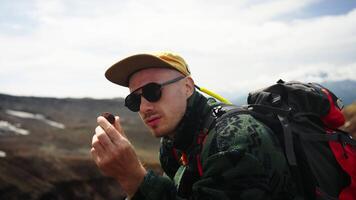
(121, 71)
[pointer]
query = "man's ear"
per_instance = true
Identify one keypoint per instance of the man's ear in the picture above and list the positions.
(189, 83)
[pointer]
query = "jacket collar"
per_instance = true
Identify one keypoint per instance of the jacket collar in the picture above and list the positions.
(192, 121)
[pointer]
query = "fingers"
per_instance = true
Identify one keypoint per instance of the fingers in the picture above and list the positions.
(95, 155)
(110, 130)
(96, 144)
(118, 127)
(103, 138)
(97, 150)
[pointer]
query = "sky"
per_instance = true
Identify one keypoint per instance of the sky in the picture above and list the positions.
(61, 48)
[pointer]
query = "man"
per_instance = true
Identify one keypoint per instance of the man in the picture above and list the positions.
(205, 154)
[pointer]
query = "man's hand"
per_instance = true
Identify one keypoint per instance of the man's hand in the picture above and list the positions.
(115, 156)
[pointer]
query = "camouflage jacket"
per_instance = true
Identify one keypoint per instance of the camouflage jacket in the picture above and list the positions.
(237, 158)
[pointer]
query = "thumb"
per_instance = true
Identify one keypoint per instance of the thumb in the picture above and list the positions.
(118, 126)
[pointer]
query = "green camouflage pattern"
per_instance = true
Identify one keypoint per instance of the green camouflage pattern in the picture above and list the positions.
(244, 153)
(241, 159)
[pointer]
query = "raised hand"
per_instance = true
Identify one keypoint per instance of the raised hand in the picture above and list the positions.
(115, 156)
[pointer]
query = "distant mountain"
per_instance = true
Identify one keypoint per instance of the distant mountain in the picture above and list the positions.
(77, 115)
(344, 89)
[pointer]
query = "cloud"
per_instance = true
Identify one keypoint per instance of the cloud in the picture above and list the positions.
(230, 46)
(278, 49)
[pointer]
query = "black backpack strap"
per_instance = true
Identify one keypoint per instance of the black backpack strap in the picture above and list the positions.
(337, 136)
(288, 141)
(268, 109)
(341, 137)
(282, 115)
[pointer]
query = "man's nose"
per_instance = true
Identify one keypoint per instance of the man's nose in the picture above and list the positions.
(145, 105)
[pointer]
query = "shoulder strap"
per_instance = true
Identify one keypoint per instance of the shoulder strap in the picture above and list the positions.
(218, 111)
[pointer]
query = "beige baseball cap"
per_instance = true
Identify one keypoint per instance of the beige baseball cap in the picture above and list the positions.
(121, 71)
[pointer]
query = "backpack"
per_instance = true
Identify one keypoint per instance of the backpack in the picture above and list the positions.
(305, 118)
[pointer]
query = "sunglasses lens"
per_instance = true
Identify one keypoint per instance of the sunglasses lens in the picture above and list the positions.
(152, 92)
(133, 102)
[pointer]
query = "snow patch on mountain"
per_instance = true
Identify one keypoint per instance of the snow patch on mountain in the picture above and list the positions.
(40, 117)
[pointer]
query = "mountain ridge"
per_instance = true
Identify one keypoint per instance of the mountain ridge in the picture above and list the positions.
(344, 89)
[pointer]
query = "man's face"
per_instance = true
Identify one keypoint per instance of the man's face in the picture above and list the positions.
(163, 116)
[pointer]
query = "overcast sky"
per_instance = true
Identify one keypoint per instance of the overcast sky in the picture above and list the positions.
(61, 48)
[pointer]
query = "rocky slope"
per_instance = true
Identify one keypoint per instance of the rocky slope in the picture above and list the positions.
(45, 143)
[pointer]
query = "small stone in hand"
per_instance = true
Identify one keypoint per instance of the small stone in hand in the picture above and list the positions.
(108, 116)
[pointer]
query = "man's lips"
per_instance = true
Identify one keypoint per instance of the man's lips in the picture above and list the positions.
(152, 121)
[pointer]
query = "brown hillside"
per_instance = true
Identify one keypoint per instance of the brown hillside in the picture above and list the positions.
(54, 163)
(350, 115)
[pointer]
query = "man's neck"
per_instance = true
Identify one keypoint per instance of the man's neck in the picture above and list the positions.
(192, 120)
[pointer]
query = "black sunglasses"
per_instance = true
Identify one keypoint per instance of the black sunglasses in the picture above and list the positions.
(151, 92)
